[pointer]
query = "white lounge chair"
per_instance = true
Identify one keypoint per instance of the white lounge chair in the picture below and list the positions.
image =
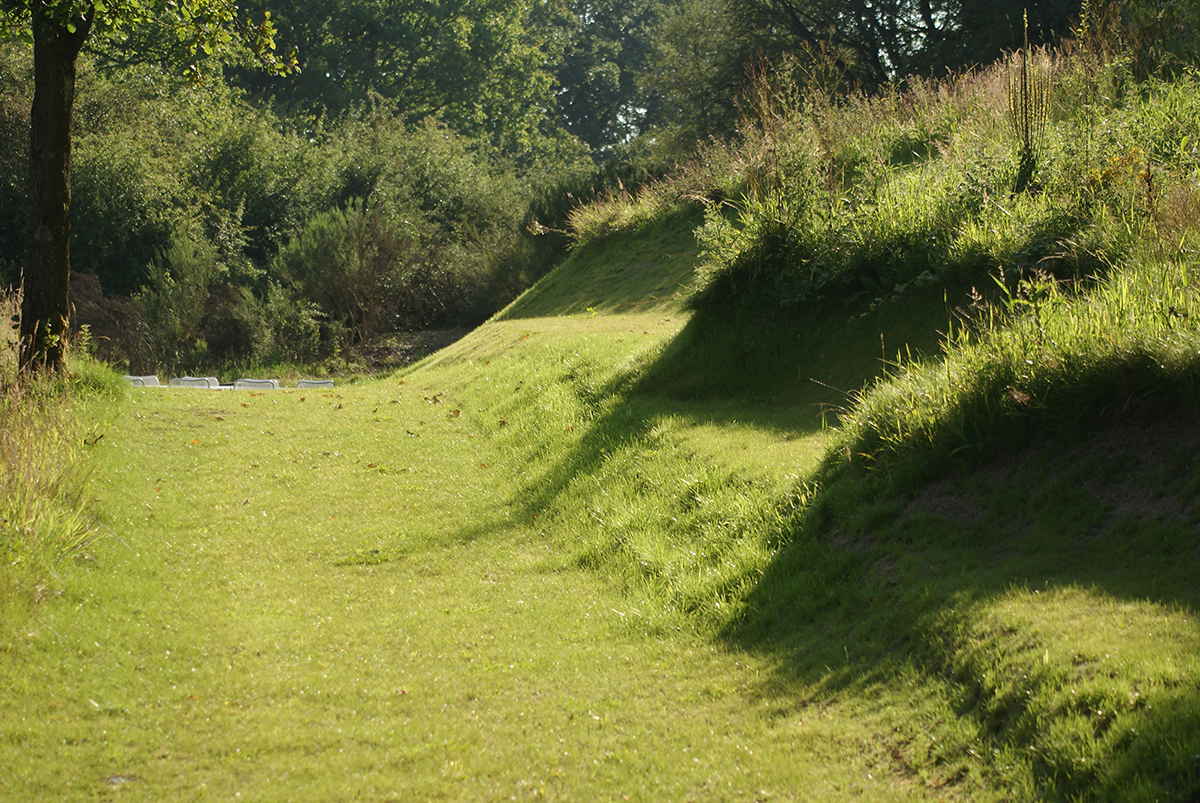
(256, 384)
(315, 383)
(143, 381)
(207, 382)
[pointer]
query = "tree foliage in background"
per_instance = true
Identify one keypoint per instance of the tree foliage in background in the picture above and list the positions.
(165, 171)
(875, 43)
(459, 126)
(485, 68)
(694, 70)
(599, 95)
(58, 30)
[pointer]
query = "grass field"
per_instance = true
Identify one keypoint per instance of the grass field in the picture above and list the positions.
(345, 595)
(572, 557)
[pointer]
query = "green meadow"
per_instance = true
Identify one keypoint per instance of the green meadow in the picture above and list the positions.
(567, 558)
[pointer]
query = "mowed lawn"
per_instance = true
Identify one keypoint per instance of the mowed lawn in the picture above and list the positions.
(341, 594)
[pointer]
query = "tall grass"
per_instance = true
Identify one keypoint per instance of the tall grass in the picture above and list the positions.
(44, 517)
(1044, 360)
(1049, 161)
(1055, 190)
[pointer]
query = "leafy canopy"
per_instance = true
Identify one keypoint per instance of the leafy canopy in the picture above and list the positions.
(198, 29)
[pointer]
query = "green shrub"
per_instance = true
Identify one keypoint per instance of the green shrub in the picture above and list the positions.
(173, 301)
(351, 264)
(851, 201)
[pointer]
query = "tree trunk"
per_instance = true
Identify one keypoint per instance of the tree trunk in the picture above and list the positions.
(45, 311)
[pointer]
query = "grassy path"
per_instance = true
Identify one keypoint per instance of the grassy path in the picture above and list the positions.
(339, 596)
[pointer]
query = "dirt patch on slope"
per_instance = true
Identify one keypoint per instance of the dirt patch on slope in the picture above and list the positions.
(1147, 470)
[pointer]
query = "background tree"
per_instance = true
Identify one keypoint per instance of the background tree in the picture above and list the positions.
(58, 30)
(484, 68)
(694, 70)
(874, 43)
(599, 97)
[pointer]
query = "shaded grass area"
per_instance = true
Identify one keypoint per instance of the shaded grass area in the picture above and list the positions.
(1050, 598)
(1027, 629)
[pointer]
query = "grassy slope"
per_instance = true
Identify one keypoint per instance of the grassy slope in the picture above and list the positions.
(562, 558)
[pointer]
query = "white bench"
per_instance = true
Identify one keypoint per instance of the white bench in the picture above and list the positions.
(256, 384)
(143, 381)
(315, 383)
(207, 382)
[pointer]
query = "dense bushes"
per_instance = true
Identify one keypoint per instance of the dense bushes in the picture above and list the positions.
(225, 233)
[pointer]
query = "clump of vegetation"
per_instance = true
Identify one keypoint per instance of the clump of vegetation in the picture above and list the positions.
(44, 516)
(1066, 230)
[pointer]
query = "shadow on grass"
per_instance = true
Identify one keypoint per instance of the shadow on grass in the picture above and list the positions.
(1025, 587)
(901, 589)
(787, 376)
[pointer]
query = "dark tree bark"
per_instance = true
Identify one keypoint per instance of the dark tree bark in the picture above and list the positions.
(45, 310)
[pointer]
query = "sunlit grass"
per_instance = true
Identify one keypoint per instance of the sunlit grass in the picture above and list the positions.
(339, 593)
(546, 561)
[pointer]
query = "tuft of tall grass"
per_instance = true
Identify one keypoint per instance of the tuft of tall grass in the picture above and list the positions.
(617, 210)
(712, 173)
(1042, 359)
(44, 517)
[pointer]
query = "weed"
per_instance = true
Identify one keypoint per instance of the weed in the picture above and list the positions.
(44, 515)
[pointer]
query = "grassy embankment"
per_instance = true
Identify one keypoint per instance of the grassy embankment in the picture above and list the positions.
(605, 548)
